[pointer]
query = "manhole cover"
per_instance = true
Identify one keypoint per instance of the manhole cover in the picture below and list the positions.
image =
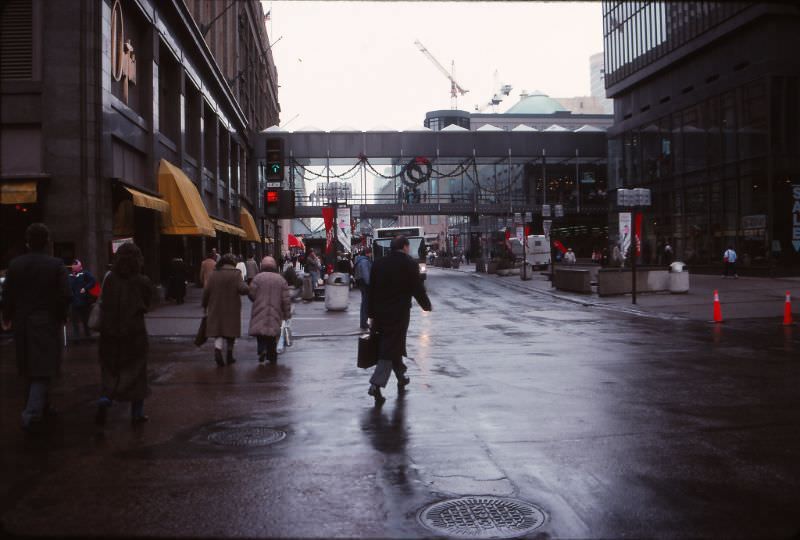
(482, 517)
(249, 436)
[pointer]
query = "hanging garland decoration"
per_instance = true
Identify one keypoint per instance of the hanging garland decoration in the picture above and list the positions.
(381, 175)
(331, 175)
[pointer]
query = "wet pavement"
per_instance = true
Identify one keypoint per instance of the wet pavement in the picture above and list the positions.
(613, 425)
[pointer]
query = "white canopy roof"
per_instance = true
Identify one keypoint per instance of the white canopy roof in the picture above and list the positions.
(489, 127)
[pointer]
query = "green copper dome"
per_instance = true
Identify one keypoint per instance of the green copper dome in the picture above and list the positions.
(536, 103)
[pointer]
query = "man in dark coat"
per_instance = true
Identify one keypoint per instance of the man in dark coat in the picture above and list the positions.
(394, 279)
(36, 296)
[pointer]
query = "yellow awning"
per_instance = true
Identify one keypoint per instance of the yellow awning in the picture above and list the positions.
(221, 226)
(186, 213)
(148, 201)
(18, 192)
(249, 226)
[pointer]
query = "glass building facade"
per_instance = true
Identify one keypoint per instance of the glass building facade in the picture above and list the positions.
(706, 116)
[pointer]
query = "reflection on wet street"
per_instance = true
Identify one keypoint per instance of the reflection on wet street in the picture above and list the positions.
(613, 425)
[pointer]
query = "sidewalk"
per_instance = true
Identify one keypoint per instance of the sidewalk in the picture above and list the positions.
(742, 298)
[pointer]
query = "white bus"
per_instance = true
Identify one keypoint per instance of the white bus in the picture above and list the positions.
(381, 244)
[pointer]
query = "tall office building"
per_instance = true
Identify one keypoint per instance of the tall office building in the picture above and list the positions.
(706, 108)
(597, 77)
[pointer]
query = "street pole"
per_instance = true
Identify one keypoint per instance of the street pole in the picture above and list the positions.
(633, 256)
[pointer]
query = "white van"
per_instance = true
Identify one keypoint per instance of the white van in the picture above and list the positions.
(538, 251)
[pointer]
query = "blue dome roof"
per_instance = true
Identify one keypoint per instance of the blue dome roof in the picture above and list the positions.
(537, 103)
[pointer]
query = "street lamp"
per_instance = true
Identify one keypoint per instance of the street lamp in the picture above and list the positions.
(634, 199)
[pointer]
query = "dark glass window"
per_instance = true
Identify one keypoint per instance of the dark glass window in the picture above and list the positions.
(169, 95)
(192, 119)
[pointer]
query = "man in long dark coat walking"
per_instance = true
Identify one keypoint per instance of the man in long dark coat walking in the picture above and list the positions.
(36, 296)
(394, 280)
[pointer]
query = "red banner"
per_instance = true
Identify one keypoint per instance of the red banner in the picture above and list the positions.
(638, 234)
(327, 215)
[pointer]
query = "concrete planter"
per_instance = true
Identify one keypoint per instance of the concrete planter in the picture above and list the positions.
(491, 268)
(615, 281)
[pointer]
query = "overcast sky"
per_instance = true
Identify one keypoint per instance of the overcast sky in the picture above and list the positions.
(355, 63)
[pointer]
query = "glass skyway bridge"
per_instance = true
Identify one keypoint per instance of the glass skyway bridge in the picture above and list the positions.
(484, 173)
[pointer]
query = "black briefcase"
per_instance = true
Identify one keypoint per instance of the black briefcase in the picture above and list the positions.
(367, 350)
(201, 336)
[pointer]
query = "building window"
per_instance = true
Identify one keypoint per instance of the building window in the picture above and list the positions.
(192, 119)
(16, 41)
(169, 96)
(210, 139)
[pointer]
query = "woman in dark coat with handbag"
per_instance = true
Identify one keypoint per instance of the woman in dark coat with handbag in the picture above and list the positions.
(123, 343)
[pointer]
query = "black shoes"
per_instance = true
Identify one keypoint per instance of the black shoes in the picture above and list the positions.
(218, 358)
(230, 357)
(375, 392)
(262, 357)
(401, 385)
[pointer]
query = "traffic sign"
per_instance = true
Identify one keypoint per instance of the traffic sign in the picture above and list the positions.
(547, 223)
(273, 185)
(528, 217)
(559, 210)
(546, 210)
(521, 234)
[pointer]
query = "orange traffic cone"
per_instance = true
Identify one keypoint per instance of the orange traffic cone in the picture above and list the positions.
(717, 308)
(787, 310)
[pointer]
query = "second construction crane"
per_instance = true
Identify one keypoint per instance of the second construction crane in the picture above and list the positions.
(455, 88)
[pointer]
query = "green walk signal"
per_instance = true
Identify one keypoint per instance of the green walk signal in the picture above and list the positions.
(276, 168)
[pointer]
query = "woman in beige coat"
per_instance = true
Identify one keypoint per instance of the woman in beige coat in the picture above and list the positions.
(272, 305)
(223, 306)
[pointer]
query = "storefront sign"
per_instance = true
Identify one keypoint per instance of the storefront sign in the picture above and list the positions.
(754, 227)
(796, 217)
(123, 59)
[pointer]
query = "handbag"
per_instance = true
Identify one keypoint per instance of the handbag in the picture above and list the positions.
(201, 333)
(367, 350)
(95, 291)
(95, 316)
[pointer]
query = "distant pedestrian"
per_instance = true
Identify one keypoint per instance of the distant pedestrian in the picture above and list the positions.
(313, 267)
(214, 255)
(223, 303)
(207, 267)
(393, 281)
(729, 259)
(36, 295)
(272, 305)
(123, 346)
(569, 257)
(176, 287)
(669, 255)
(241, 267)
(81, 281)
(252, 268)
(361, 274)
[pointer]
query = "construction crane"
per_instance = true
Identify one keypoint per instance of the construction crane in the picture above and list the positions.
(455, 88)
(502, 91)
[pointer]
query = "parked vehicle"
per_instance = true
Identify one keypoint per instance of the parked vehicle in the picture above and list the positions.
(537, 250)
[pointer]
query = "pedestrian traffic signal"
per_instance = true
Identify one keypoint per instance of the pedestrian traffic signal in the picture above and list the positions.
(275, 159)
(279, 203)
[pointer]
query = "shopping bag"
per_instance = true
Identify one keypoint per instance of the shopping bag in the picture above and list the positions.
(286, 332)
(95, 291)
(367, 350)
(201, 333)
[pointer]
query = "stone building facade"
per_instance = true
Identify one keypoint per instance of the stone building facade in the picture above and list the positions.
(119, 123)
